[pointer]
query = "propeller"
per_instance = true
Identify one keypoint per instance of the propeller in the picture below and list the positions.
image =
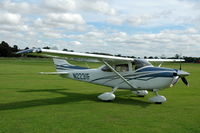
(182, 75)
(184, 81)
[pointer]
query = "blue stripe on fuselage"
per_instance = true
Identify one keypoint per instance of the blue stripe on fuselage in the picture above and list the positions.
(155, 69)
(161, 74)
(70, 67)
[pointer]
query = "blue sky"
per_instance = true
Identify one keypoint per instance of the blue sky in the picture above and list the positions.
(139, 27)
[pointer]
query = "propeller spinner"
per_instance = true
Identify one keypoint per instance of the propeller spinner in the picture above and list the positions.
(182, 74)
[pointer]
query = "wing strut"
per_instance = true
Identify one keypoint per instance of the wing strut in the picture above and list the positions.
(118, 74)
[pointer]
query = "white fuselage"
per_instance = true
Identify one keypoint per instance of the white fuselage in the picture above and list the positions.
(146, 78)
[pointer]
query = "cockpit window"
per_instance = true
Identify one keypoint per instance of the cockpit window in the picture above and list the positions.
(136, 64)
(121, 67)
(140, 63)
(118, 68)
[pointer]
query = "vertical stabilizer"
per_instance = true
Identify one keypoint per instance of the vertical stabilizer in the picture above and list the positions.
(63, 65)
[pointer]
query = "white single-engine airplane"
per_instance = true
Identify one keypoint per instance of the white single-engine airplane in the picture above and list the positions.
(137, 75)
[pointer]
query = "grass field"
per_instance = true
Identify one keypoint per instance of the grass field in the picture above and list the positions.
(32, 103)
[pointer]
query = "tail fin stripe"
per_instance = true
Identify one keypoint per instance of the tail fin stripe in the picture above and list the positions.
(70, 67)
(63, 65)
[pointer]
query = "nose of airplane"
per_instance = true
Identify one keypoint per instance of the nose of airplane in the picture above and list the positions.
(182, 73)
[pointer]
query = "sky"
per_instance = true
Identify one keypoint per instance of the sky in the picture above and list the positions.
(126, 27)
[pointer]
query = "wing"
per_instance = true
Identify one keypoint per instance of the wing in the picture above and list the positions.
(111, 59)
(58, 53)
(165, 60)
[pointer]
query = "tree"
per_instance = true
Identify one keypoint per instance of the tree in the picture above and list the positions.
(68, 50)
(119, 55)
(5, 49)
(65, 49)
(177, 56)
(150, 57)
(163, 56)
(46, 47)
(15, 48)
(155, 57)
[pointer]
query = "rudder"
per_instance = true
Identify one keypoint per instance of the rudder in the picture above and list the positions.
(62, 65)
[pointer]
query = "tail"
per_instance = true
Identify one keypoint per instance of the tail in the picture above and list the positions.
(64, 66)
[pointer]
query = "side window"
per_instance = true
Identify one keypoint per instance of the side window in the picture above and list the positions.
(133, 66)
(121, 67)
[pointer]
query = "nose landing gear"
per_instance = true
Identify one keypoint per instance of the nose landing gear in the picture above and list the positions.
(158, 99)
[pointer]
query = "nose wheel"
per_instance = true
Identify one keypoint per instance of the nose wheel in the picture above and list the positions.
(158, 99)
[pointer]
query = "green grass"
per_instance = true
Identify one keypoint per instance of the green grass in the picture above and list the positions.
(31, 103)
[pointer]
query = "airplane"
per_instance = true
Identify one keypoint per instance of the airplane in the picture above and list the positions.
(137, 75)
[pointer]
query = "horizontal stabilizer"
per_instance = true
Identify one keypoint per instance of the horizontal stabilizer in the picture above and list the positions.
(54, 73)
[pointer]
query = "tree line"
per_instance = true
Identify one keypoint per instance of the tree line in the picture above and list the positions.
(7, 51)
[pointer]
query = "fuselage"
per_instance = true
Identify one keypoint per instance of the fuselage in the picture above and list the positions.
(145, 78)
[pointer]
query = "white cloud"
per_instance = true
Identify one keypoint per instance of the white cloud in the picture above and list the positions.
(53, 35)
(145, 27)
(10, 18)
(12, 23)
(119, 37)
(13, 28)
(91, 37)
(76, 43)
(60, 5)
(116, 20)
(71, 18)
(101, 6)
(185, 31)
(156, 13)
(20, 7)
(139, 20)
(69, 21)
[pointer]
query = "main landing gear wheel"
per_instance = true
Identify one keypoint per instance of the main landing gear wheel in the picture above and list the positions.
(158, 99)
(108, 96)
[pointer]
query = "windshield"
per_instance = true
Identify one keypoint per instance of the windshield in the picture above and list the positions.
(138, 63)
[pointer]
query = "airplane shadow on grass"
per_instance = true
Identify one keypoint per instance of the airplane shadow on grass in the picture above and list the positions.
(68, 97)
